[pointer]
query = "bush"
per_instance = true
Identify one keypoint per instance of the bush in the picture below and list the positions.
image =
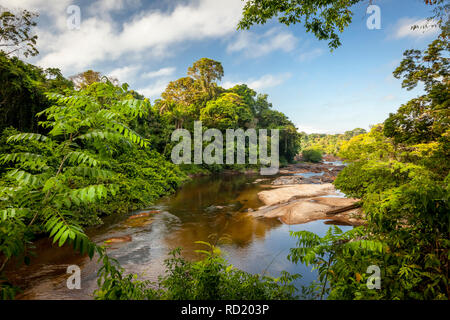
(312, 155)
(208, 279)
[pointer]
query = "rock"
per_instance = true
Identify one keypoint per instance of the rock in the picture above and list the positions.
(144, 214)
(118, 240)
(304, 167)
(304, 210)
(313, 180)
(288, 193)
(311, 209)
(334, 202)
(138, 223)
(327, 178)
(330, 157)
(287, 180)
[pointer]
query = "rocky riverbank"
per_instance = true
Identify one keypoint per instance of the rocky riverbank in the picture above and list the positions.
(304, 192)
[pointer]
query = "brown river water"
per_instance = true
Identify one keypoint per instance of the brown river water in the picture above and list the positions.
(202, 209)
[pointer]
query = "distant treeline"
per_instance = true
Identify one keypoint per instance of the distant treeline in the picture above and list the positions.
(327, 143)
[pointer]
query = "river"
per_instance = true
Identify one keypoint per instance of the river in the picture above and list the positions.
(204, 209)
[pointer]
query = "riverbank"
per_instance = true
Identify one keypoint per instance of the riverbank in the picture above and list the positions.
(202, 209)
(304, 192)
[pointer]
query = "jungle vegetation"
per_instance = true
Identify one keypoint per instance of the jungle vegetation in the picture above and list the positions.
(400, 172)
(327, 143)
(74, 150)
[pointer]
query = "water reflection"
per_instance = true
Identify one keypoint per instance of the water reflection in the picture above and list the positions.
(205, 209)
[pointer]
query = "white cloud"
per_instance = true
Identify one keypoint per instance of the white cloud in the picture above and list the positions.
(35, 4)
(268, 81)
(264, 82)
(154, 90)
(163, 72)
(254, 45)
(106, 6)
(124, 74)
(309, 55)
(425, 28)
(56, 10)
(152, 32)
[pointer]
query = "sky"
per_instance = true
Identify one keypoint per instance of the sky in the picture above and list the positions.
(149, 43)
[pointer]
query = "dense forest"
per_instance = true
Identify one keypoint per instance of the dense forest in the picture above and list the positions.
(79, 148)
(327, 143)
(76, 149)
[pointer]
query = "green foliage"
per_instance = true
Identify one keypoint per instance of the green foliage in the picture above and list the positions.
(400, 171)
(371, 146)
(89, 162)
(407, 210)
(226, 112)
(22, 88)
(427, 117)
(328, 143)
(208, 279)
(207, 72)
(324, 19)
(198, 97)
(341, 260)
(311, 155)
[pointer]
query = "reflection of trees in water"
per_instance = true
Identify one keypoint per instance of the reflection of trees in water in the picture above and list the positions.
(241, 230)
(337, 223)
(48, 271)
(204, 192)
(195, 205)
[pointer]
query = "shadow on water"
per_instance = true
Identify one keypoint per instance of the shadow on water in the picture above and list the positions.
(204, 209)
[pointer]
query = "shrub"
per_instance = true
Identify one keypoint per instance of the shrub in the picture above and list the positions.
(312, 155)
(209, 279)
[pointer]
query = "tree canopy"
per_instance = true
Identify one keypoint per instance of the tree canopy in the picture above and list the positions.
(324, 18)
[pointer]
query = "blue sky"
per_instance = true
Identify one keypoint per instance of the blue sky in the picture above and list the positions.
(149, 43)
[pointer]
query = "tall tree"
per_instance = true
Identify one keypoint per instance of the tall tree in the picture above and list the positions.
(184, 91)
(86, 78)
(22, 88)
(16, 35)
(207, 72)
(424, 118)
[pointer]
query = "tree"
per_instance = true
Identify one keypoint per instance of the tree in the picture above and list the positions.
(15, 32)
(207, 72)
(85, 79)
(312, 155)
(248, 95)
(425, 118)
(211, 278)
(50, 176)
(328, 143)
(226, 112)
(324, 18)
(400, 171)
(22, 88)
(185, 91)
